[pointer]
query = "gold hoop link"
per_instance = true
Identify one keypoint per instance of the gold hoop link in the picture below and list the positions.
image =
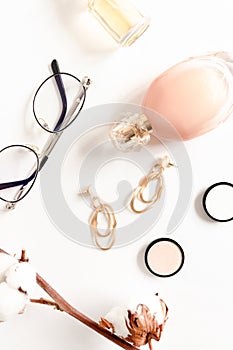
(110, 232)
(156, 174)
(132, 202)
(143, 185)
(139, 192)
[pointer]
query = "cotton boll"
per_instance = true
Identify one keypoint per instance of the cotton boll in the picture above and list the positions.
(6, 261)
(23, 276)
(153, 302)
(12, 302)
(117, 316)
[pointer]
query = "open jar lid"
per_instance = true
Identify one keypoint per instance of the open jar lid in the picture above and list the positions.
(217, 201)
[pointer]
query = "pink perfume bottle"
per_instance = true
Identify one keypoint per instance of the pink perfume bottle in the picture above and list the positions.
(187, 100)
(195, 95)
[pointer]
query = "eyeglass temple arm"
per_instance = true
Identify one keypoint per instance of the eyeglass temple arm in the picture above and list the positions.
(53, 139)
(61, 89)
(24, 182)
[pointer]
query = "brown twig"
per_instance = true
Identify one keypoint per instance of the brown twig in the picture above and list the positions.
(69, 309)
(150, 344)
(43, 301)
(23, 256)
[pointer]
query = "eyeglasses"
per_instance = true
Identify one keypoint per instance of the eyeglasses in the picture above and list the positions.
(56, 105)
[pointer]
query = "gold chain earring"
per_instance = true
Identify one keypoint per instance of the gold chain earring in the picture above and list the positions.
(104, 208)
(155, 174)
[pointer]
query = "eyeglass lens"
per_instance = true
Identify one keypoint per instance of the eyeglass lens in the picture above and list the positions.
(58, 101)
(19, 167)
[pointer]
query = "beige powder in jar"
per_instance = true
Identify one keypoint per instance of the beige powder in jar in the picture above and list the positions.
(164, 257)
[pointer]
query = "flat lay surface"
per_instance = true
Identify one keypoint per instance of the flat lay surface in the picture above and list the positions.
(199, 296)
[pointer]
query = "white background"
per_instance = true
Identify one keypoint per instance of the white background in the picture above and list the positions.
(200, 296)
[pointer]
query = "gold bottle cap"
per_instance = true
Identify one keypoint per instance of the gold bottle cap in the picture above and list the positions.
(131, 132)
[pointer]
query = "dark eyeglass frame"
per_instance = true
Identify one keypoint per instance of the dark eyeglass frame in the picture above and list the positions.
(24, 182)
(55, 134)
(62, 93)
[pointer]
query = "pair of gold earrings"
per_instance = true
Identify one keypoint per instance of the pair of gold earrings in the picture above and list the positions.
(155, 174)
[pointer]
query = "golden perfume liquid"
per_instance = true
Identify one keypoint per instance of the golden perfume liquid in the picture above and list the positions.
(120, 18)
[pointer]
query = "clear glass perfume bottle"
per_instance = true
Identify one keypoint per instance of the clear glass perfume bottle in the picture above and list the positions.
(121, 19)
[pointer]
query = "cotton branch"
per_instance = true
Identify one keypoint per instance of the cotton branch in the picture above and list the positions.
(61, 304)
